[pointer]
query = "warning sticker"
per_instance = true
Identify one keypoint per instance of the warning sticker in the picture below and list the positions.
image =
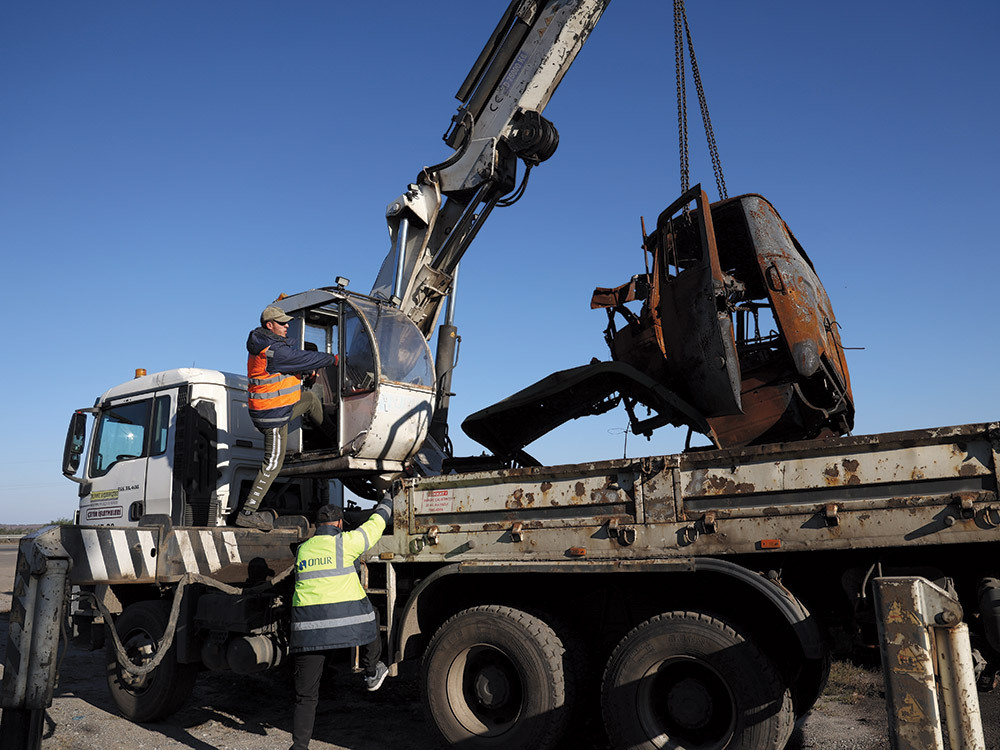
(435, 501)
(104, 495)
(98, 514)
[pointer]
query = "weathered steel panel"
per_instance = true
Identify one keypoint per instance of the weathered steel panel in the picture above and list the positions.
(926, 487)
(569, 498)
(226, 555)
(896, 466)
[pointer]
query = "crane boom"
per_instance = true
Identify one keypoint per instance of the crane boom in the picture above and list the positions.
(499, 121)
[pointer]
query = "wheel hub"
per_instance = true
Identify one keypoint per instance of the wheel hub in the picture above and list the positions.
(139, 648)
(690, 704)
(492, 687)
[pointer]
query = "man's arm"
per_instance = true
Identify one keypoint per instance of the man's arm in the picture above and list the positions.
(289, 360)
(367, 534)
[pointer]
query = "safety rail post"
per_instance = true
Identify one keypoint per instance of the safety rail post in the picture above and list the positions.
(41, 584)
(926, 657)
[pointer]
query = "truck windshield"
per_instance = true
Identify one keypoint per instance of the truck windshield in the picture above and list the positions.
(121, 435)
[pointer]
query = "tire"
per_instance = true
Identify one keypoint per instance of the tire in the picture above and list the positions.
(160, 693)
(494, 677)
(688, 681)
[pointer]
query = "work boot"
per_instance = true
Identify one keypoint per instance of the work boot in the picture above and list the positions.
(254, 520)
(374, 681)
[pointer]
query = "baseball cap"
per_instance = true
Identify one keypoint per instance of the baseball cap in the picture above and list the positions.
(329, 514)
(273, 312)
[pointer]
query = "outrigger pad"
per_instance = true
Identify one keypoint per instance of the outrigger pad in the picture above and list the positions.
(509, 425)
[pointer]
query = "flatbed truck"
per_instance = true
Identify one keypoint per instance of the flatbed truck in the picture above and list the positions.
(689, 600)
(696, 596)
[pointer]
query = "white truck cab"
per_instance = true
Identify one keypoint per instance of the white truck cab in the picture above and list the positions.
(178, 443)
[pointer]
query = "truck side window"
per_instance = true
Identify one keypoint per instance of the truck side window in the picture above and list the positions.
(121, 435)
(161, 423)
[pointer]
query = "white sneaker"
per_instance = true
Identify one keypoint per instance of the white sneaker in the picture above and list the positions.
(374, 682)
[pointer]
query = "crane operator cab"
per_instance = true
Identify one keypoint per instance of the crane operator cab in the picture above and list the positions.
(380, 396)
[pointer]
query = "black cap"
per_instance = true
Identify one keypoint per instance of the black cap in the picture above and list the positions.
(329, 514)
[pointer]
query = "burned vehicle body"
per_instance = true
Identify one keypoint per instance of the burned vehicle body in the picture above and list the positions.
(735, 338)
(720, 273)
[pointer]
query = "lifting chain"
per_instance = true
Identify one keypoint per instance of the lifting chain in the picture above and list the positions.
(681, 32)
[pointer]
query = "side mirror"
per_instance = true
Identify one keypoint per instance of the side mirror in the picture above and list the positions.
(75, 438)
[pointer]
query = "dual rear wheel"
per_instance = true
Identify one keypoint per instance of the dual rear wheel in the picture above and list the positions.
(498, 677)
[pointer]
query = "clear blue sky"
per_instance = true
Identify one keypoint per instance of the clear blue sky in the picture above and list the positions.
(168, 168)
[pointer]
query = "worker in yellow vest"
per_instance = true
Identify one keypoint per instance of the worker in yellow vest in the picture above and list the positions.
(330, 609)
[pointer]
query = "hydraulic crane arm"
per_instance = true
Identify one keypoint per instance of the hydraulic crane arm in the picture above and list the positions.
(499, 121)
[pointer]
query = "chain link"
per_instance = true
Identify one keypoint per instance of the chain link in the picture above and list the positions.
(682, 30)
(681, 93)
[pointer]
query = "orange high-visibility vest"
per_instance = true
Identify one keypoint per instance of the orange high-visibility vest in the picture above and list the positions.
(270, 396)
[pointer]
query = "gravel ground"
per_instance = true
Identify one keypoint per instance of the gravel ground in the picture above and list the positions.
(254, 712)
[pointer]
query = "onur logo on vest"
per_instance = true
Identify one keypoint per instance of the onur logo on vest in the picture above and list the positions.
(314, 561)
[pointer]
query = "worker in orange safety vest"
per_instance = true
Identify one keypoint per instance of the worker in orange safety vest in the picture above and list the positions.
(275, 370)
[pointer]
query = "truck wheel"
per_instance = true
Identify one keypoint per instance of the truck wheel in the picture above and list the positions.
(493, 677)
(160, 693)
(686, 680)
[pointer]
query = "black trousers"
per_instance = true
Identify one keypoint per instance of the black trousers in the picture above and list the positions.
(308, 672)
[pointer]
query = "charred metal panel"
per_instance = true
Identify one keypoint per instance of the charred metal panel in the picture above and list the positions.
(508, 426)
(733, 273)
(691, 314)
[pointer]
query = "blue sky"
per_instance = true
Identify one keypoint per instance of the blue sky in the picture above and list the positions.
(168, 168)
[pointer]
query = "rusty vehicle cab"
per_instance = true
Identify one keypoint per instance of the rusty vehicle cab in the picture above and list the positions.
(736, 322)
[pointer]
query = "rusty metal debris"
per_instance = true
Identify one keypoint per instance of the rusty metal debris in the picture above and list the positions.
(735, 321)
(735, 338)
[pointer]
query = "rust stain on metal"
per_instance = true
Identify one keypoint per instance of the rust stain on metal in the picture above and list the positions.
(851, 465)
(968, 470)
(580, 489)
(546, 486)
(726, 486)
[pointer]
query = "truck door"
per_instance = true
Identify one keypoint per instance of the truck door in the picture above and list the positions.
(159, 471)
(130, 433)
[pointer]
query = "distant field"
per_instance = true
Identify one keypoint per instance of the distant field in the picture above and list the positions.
(17, 530)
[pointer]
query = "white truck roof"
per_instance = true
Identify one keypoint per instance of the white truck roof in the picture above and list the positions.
(179, 376)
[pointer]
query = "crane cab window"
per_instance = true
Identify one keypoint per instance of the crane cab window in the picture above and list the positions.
(359, 356)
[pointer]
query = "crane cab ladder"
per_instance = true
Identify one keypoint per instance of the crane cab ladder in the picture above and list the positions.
(383, 597)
